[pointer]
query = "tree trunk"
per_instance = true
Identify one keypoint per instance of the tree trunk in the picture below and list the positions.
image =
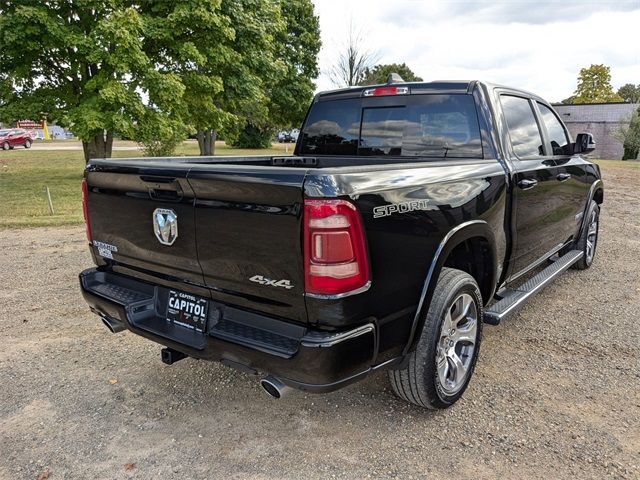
(206, 141)
(200, 137)
(100, 146)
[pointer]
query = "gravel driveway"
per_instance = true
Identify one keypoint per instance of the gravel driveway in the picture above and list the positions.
(556, 393)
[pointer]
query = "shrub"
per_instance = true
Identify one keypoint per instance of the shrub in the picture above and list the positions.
(253, 136)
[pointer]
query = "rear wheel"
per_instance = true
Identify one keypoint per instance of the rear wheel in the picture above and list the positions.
(589, 237)
(6, 146)
(27, 143)
(439, 369)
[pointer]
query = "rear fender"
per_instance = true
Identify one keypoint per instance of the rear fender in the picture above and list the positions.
(596, 186)
(457, 235)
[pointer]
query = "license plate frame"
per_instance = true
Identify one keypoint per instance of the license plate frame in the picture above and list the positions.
(187, 310)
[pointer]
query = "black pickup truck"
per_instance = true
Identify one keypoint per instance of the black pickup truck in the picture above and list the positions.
(409, 215)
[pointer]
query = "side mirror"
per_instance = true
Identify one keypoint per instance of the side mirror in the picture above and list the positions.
(584, 143)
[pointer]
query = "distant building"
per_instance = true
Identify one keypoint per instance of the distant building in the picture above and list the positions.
(601, 120)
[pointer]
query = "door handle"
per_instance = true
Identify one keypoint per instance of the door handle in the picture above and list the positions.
(163, 188)
(563, 176)
(527, 183)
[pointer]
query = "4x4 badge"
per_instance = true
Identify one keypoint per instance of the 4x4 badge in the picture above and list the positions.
(271, 283)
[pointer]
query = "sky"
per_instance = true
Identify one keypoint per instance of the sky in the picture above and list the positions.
(539, 46)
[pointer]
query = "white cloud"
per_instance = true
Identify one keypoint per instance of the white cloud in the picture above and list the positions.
(539, 46)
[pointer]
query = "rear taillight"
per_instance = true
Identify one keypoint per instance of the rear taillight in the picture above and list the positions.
(335, 256)
(85, 208)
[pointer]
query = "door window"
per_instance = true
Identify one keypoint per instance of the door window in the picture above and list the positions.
(526, 139)
(557, 133)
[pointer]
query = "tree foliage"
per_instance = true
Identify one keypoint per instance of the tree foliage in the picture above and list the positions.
(379, 73)
(222, 53)
(289, 95)
(154, 70)
(82, 65)
(594, 86)
(630, 93)
(629, 135)
(297, 46)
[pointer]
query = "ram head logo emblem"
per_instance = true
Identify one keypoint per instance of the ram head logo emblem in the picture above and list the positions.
(165, 225)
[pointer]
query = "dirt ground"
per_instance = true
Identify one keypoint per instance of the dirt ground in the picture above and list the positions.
(556, 393)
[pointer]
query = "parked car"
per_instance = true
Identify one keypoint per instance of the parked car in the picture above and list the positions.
(13, 137)
(288, 137)
(283, 136)
(407, 218)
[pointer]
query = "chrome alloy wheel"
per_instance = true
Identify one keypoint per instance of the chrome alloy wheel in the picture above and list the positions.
(592, 236)
(458, 338)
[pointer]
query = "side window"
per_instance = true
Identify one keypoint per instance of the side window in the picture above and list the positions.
(526, 139)
(557, 133)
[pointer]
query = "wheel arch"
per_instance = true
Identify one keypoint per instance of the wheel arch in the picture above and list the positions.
(596, 193)
(457, 250)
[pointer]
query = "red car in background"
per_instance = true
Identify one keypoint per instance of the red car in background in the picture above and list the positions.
(15, 137)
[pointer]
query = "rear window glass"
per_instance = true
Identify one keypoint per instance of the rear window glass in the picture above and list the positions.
(440, 126)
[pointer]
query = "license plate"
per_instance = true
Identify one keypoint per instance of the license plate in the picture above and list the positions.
(187, 310)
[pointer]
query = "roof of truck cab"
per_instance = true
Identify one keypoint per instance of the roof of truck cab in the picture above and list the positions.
(436, 86)
(439, 86)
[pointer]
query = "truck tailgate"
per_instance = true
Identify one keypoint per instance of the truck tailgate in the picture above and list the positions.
(123, 196)
(248, 232)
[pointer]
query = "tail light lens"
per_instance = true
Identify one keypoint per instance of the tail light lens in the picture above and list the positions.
(335, 256)
(85, 208)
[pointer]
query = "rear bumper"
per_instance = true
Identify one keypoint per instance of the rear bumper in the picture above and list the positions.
(303, 358)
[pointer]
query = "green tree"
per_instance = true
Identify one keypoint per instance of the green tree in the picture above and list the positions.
(297, 46)
(630, 93)
(379, 73)
(82, 65)
(629, 135)
(223, 52)
(594, 86)
(149, 70)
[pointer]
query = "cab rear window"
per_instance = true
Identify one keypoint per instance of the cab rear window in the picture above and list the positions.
(437, 126)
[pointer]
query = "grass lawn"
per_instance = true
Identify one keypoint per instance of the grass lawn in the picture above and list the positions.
(25, 174)
(618, 163)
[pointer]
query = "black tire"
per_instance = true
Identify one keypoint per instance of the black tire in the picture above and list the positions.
(587, 236)
(6, 146)
(418, 382)
(27, 144)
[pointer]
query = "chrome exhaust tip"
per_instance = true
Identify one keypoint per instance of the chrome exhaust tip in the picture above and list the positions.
(274, 387)
(113, 325)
